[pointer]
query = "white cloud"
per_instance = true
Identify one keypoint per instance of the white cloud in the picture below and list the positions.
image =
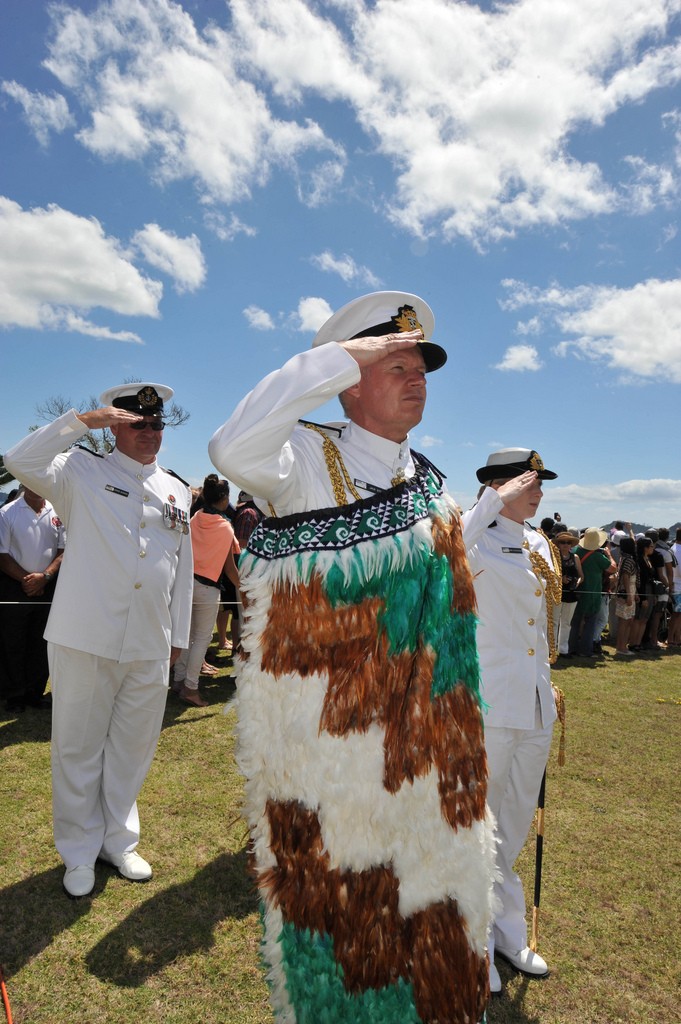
(227, 228)
(532, 326)
(54, 265)
(157, 89)
(480, 145)
(301, 51)
(312, 312)
(181, 258)
(346, 268)
(654, 502)
(651, 185)
(635, 331)
(669, 233)
(319, 185)
(520, 358)
(43, 114)
(657, 491)
(67, 320)
(428, 441)
(259, 318)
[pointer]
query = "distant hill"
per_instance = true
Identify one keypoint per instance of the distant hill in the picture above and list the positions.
(642, 527)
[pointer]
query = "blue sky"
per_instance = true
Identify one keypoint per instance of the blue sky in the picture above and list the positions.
(188, 189)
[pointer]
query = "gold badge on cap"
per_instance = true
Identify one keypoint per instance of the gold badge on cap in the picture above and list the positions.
(407, 320)
(148, 398)
(536, 462)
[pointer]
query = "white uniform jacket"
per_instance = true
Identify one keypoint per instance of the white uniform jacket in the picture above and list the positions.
(263, 450)
(125, 585)
(512, 636)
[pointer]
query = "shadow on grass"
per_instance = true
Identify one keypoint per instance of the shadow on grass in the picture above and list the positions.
(177, 922)
(34, 912)
(508, 1008)
(29, 726)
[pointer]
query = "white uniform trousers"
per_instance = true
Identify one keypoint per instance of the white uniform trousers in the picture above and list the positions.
(205, 603)
(106, 720)
(516, 759)
(562, 620)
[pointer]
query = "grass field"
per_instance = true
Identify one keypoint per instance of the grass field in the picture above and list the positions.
(183, 948)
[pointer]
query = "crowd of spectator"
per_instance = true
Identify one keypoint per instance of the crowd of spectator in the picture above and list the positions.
(619, 588)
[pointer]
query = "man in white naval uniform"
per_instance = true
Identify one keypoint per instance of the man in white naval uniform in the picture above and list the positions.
(516, 685)
(310, 479)
(119, 618)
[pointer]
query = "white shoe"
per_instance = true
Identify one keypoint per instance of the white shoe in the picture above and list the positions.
(494, 981)
(525, 961)
(79, 881)
(130, 865)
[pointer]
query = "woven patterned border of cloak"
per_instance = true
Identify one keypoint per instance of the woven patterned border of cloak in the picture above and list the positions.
(360, 737)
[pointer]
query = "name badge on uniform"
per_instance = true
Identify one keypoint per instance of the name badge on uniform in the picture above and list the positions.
(117, 490)
(368, 487)
(175, 518)
(512, 551)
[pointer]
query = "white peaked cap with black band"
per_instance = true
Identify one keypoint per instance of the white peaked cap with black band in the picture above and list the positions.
(379, 313)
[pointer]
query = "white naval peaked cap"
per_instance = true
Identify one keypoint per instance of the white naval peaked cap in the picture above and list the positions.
(511, 462)
(384, 313)
(141, 397)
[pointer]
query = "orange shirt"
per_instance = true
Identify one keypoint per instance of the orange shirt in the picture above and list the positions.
(212, 540)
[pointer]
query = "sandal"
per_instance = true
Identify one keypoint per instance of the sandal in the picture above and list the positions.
(192, 697)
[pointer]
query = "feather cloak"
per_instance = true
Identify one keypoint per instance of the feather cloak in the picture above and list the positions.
(360, 737)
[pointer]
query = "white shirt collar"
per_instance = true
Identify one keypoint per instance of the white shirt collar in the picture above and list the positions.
(514, 529)
(131, 465)
(390, 453)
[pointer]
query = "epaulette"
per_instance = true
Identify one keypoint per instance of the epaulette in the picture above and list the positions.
(328, 428)
(84, 448)
(171, 472)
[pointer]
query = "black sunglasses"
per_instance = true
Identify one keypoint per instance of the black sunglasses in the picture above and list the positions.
(154, 425)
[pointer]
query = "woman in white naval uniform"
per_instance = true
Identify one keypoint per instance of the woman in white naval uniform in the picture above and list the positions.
(513, 570)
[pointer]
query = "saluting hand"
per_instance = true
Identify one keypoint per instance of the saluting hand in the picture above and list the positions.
(516, 487)
(366, 351)
(107, 417)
